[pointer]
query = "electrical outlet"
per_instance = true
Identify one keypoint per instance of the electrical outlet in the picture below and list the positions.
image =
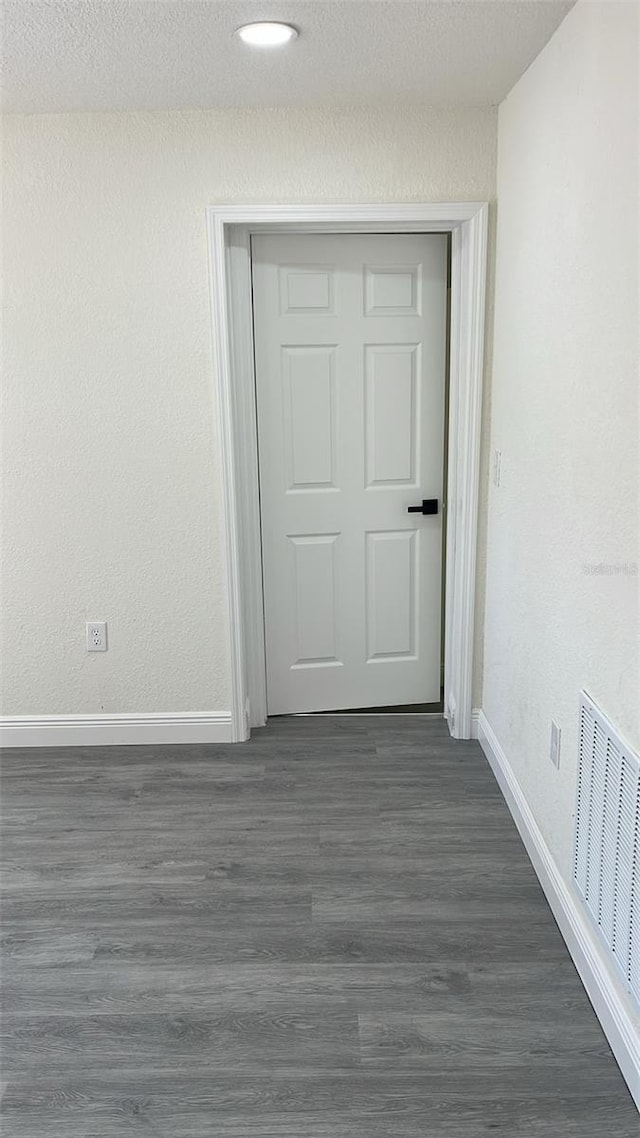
(554, 745)
(497, 467)
(96, 636)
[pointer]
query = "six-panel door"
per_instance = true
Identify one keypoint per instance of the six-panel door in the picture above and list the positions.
(350, 373)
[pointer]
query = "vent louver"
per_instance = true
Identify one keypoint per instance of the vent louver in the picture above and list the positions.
(607, 839)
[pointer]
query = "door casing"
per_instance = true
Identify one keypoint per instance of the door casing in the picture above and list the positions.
(229, 236)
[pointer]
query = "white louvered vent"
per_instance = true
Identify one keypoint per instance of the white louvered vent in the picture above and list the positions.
(607, 838)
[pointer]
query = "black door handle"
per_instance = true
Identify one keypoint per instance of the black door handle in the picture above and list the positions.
(429, 506)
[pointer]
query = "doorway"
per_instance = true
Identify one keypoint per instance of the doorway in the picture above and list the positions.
(231, 230)
(350, 359)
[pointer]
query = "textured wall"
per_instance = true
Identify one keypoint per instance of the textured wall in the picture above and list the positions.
(565, 407)
(112, 499)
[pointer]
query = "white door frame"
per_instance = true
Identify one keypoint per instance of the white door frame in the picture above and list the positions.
(229, 230)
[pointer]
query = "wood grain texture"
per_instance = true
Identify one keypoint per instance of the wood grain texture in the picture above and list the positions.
(332, 931)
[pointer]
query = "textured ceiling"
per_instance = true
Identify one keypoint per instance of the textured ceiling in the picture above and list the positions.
(112, 55)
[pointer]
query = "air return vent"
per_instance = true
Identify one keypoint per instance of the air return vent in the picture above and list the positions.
(607, 838)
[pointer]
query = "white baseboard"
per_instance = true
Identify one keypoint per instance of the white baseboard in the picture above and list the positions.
(616, 1022)
(475, 721)
(115, 730)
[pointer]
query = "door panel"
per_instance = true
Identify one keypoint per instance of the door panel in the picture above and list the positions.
(350, 362)
(391, 422)
(314, 598)
(391, 594)
(309, 403)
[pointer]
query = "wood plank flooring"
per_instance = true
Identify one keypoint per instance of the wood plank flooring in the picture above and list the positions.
(331, 931)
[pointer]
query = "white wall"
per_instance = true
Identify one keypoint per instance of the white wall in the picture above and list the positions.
(112, 493)
(565, 408)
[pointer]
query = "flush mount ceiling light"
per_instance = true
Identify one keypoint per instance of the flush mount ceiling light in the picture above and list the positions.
(267, 34)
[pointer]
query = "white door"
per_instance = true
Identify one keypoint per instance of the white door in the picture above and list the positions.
(350, 337)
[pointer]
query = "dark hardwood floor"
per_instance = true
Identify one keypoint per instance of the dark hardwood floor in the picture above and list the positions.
(332, 931)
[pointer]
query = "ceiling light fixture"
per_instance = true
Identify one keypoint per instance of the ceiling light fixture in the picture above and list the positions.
(267, 34)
